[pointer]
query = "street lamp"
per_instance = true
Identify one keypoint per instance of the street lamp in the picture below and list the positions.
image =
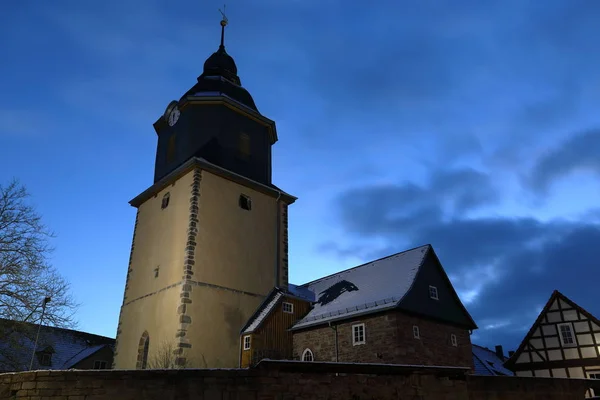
(46, 301)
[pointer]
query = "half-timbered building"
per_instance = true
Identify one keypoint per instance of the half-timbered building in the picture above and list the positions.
(563, 342)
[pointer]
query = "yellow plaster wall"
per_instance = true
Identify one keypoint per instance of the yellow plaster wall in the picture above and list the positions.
(160, 240)
(217, 317)
(234, 269)
(155, 314)
(236, 248)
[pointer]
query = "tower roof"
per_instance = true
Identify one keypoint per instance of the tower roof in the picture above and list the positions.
(220, 76)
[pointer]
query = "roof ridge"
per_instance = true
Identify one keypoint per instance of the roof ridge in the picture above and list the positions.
(57, 328)
(428, 245)
(66, 363)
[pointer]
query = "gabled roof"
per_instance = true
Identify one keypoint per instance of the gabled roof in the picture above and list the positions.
(556, 295)
(371, 287)
(488, 363)
(69, 346)
(270, 303)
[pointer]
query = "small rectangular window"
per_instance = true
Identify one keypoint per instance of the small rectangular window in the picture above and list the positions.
(358, 334)
(245, 202)
(156, 270)
(433, 293)
(288, 308)
(416, 333)
(566, 335)
(247, 342)
(45, 359)
(453, 340)
(165, 201)
(99, 364)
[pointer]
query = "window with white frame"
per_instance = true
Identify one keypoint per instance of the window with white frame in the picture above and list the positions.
(566, 334)
(247, 342)
(416, 333)
(358, 334)
(453, 340)
(307, 355)
(433, 292)
(288, 308)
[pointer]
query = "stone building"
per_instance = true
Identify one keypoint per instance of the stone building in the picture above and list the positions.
(401, 309)
(56, 348)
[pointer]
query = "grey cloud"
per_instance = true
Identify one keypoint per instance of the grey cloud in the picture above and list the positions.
(527, 258)
(578, 152)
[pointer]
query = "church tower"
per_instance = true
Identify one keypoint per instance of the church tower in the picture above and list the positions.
(210, 235)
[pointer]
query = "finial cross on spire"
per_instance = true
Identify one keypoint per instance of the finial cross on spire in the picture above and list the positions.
(223, 25)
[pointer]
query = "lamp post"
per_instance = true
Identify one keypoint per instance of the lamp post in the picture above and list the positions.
(46, 301)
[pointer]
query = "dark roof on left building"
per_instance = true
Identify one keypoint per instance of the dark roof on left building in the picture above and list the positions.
(57, 348)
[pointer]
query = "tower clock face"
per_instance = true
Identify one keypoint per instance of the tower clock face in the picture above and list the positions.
(174, 116)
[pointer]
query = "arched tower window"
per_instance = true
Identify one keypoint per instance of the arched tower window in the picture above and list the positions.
(144, 345)
(307, 355)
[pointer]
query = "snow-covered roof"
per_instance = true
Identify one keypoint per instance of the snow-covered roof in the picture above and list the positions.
(488, 363)
(263, 312)
(371, 287)
(69, 347)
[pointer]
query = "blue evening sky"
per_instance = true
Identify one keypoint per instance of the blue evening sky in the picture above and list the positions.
(470, 125)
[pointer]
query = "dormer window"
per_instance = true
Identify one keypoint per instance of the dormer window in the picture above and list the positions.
(433, 293)
(45, 358)
(245, 202)
(165, 201)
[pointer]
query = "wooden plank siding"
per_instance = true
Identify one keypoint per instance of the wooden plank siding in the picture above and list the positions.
(272, 339)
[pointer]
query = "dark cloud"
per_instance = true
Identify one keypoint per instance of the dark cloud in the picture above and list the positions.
(577, 152)
(515, 263)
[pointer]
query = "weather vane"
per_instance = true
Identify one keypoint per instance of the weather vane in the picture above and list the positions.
(223, 24)
(224, 20)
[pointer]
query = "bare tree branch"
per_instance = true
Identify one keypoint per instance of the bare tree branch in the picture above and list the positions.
(26, 277)
(166, 356)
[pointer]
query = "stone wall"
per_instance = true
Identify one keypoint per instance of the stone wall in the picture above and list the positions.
(389, 339)
(285, 380)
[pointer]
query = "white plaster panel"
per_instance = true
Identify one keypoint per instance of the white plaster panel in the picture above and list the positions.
(588, 352)
(576, 372)
(571, 354)
(524, 358)
(544, 373)
(537, 332)
(554, 305)
(549, 330)
(537, 343)
(554, 355)
(559, 373)
(585, 339)
(581, 326)
(552, 342)
(535, 357)
(570, 315)
(553, 317)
